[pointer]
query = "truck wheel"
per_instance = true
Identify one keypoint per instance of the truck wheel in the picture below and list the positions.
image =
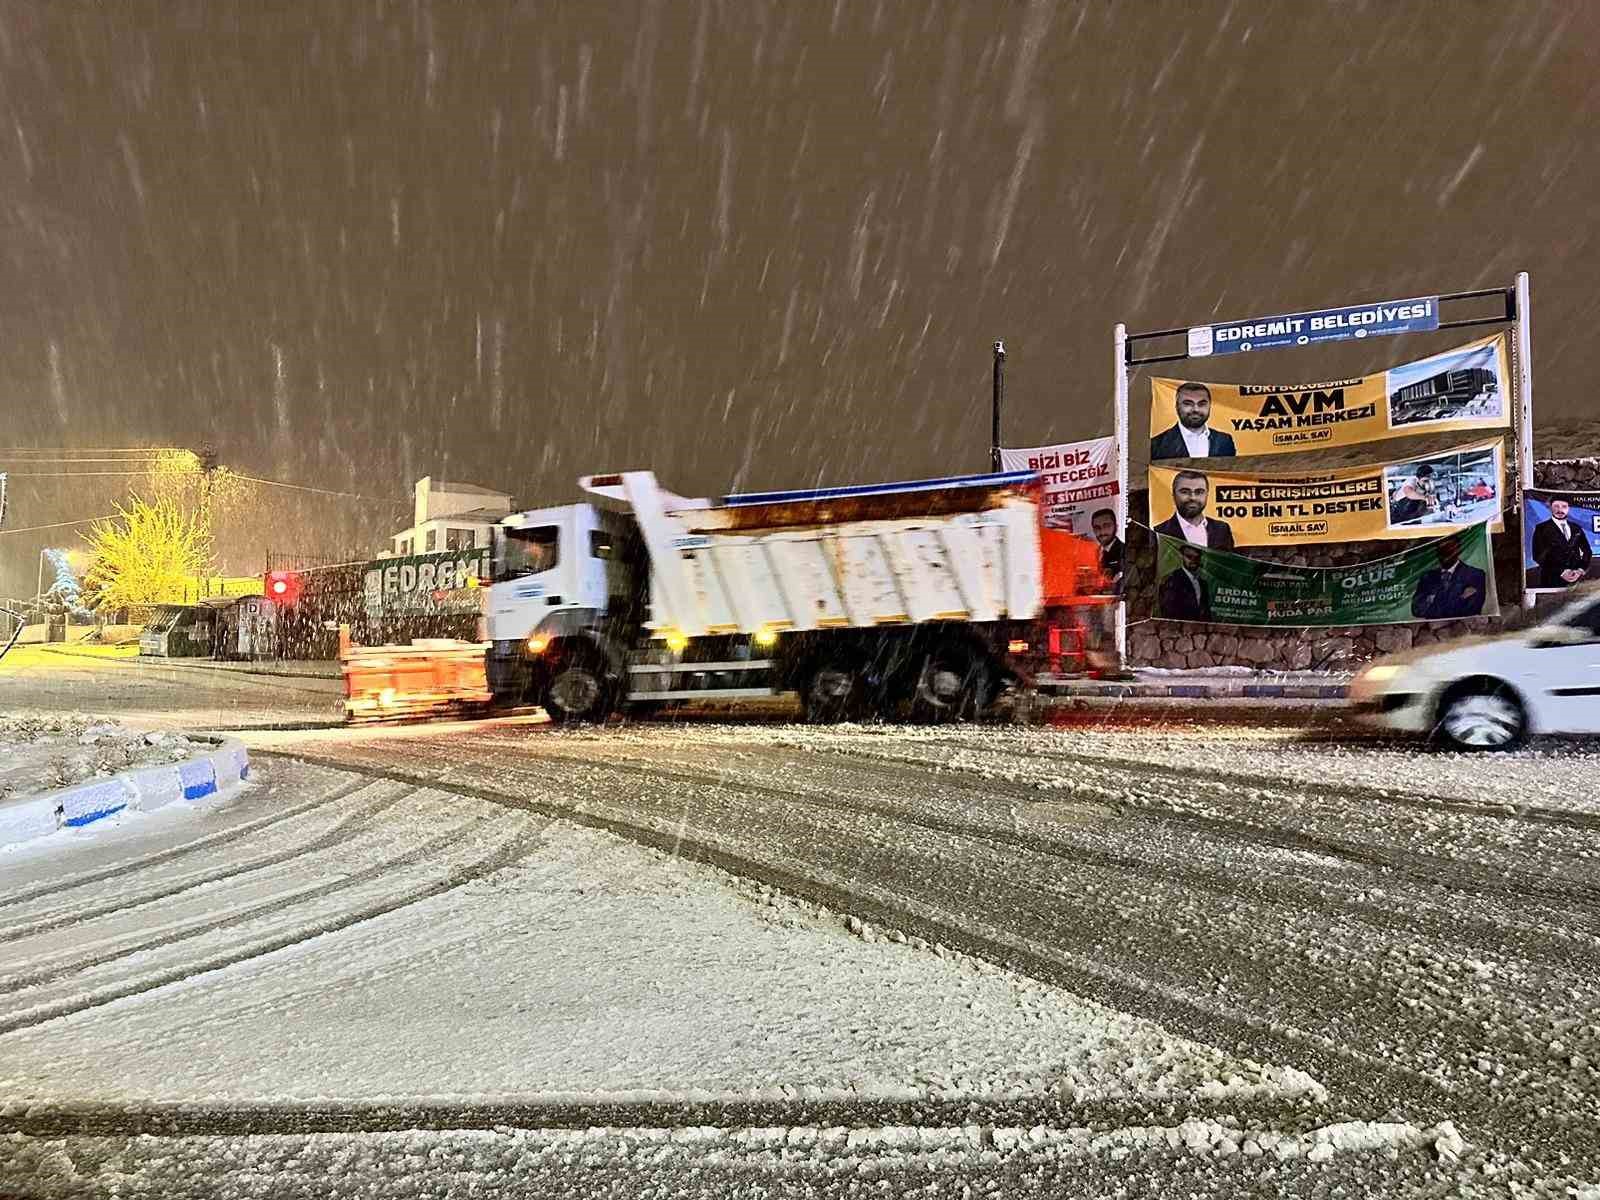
(577, 691)
(833, 692)
(1482, 717)
(953, 684)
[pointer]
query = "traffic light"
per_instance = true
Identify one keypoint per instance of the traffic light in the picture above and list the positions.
(283, 587)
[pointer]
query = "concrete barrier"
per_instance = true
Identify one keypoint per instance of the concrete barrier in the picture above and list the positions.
(143, 789)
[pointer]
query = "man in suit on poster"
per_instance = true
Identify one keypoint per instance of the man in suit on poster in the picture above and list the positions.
(1103, 523)
(1560, 548)
(1452, 589)
(1190, 492)
(1184, 595)
(1192, 436)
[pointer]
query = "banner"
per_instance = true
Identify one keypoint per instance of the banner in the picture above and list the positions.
(1418, 497)
(1324, 325)
(1465, 388)
(444, 582)
(1078, 480)
(1560, 538)
(1444, 580)
(1080, 495)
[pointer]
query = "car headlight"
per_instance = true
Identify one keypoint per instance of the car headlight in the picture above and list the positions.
(1381, 674)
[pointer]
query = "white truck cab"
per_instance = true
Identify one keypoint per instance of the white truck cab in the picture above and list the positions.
(554, 559)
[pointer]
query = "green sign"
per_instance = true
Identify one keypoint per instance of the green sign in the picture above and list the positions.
(446, 582)
(1442, 580)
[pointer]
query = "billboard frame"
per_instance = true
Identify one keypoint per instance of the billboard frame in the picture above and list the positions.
(1516, 312)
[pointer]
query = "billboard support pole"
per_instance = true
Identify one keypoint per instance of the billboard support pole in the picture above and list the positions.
(1119, 349)
(999, 395)
(1524, 416)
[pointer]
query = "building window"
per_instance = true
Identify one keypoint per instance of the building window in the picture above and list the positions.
(405, 547)
(458, 539)
(433, 540)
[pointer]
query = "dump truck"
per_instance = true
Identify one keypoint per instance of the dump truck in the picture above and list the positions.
(914, 599)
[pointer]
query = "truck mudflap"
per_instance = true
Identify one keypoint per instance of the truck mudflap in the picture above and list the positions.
(428, 677)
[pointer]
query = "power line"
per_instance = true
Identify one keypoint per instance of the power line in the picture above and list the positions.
(299, 487)
(320, 491)
(35, 461)
(89, 449)
(59, 524)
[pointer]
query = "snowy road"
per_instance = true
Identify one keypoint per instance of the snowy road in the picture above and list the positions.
(1417, 933)
(1421, 932)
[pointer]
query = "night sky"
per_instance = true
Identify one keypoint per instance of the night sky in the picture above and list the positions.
(747, 244)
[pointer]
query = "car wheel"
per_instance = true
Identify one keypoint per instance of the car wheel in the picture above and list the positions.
(833, 692)
(578, 691)
(1482, 718)
(952, 685)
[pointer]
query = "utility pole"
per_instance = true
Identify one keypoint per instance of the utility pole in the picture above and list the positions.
(207, 454)
(999, 398)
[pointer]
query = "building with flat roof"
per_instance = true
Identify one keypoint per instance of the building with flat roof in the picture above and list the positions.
(450, 516)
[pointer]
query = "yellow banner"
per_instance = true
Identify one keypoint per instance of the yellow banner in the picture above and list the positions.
(1423, 497)
(1465, 388)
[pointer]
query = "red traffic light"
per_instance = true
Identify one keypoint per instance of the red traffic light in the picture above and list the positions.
(283, 586)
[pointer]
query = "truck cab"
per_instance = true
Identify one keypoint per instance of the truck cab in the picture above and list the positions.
(565, 589)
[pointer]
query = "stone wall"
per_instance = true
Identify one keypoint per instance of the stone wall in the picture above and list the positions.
(1192, 644)
(1579, 474)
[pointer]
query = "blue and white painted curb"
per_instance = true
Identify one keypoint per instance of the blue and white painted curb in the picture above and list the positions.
(143, 789)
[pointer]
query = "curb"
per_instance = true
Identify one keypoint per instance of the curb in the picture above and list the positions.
(143, 789)
(202, 664)
(1198, 691)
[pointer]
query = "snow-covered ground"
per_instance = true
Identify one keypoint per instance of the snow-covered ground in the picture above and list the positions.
(328, 941)
(1409, 939)
(577, 965)
(42, 751)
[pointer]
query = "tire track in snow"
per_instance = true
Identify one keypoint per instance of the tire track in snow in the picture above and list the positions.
(506, 852)
(236, 1119)
(126, 902)
(50, 968)
(1287, 976)
(1356, 792)
(207, 842)
(1447, 872)
(1080, 971)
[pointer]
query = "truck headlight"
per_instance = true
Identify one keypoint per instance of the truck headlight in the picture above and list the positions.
(765, 638)
(538, 644)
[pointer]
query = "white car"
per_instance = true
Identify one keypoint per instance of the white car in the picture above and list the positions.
(1490, 694)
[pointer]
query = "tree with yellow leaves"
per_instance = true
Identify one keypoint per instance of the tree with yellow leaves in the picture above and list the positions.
(147, 554)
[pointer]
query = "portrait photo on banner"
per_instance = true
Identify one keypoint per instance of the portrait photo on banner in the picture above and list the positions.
(1561, 539)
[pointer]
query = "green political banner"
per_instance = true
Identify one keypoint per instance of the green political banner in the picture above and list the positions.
(421, 584)
(1443, 580)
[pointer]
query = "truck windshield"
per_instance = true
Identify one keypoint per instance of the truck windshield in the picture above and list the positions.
(529, 551)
